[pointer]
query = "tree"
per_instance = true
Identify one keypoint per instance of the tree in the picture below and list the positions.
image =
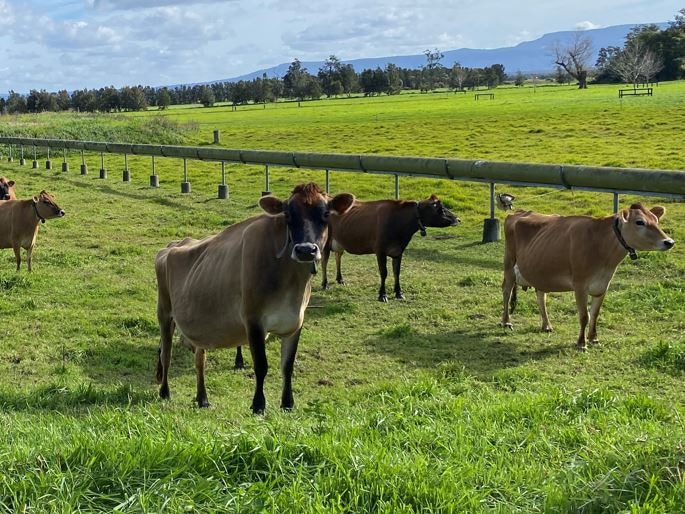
(574, 58)
(635, 64)
(16, 103)
(433, 69)
(163, 99)
(520, 79)
(394, 80)
(295, 80)
(63, 100)
(457, 76)
(207, 97)
(330, 77)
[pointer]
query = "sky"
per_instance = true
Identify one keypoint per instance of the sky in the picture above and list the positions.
(76, 44)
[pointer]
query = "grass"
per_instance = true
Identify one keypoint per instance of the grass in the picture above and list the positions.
(417, 405)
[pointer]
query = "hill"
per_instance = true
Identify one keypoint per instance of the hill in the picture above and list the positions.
(529, 56)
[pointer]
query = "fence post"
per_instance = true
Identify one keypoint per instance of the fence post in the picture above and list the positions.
(223, 188)
(216, 137)
(328, 181)
(65, 164)
(491, 224)
(616, 200)
(154, 178)
(84, 166)
(103, 170)
(266, 181)
(397, 187)
(22, 161)
(127, 174)
(10, 159)
(34, 164)
(48, 162)
(185, 185)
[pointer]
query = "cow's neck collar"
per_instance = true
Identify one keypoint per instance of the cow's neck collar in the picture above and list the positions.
(35, 209)
(422, 227)
(617, 231)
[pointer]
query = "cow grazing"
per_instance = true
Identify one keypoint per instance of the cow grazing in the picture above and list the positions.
(574, 253)
(20, 220)
(7, 189)
(382, 227)
(236, 287)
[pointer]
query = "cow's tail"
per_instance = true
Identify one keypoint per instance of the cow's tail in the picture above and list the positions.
(512, 300)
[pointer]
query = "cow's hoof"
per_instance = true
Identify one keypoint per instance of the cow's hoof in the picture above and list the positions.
(595, 342)
(164, 392)
(547, 329)
(341, 282)
(324, 287)
(582, 348)
(203, 404)
(399, 296)
(382, 298)
(507, 325)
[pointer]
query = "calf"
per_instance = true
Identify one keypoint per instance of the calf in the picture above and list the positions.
(7, 189)
(20, 220)
(574, 253)
(382, 227)
(249, 280)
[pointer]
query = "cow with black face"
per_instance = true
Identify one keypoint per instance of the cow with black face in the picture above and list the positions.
(236, 287)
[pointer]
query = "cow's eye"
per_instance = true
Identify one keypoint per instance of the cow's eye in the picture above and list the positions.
(640, 223)
(326, 214)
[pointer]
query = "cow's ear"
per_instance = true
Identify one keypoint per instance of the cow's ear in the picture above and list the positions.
(341, 202)
(271, 204)
(658, 211)
(624, 215)
(11, 183)
(35, 199)
(434, 198)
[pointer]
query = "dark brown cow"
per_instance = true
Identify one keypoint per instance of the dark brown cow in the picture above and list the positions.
(20, 220)
(249, 280)
(7, 189)
(574, 253)
(384, 228)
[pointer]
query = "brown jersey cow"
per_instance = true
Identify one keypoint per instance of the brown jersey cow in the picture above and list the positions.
(384, 228)
(249, 280)
(7, 189)
(20, 220)
(574, 253)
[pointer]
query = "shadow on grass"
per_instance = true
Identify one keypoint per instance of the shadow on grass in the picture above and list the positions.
(481, 352)
(484, 260)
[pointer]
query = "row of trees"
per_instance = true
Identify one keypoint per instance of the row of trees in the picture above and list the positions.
(334, 78)
(648, 54)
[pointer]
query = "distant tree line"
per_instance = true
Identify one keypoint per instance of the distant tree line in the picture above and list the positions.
(649, 54)
(333, 79)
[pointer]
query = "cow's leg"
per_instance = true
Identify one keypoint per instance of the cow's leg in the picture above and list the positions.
(594, 314)
(542, 306)
(166, 328)
(288, 351)
(17, 255)
(200, 361)
(324, 265)
(581, 303)
(338, 268)
(239, 362)
(508, 285)
(29, 257)
(396, 263)
(257, 336)
(383, 271)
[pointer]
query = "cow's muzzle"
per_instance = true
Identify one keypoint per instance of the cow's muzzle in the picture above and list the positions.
(668, 244)
(306, 252)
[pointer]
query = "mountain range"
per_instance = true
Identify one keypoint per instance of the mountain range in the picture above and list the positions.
(528, 57)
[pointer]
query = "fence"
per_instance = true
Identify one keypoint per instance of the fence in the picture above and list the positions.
(617, 181)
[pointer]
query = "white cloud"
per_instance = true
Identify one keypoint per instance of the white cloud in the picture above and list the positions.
(587, 25)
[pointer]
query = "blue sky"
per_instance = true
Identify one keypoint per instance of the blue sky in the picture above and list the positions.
(72, 44)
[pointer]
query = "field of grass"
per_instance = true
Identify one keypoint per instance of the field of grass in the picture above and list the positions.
(417, 405)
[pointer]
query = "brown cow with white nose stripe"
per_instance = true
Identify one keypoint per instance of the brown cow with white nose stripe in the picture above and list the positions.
(249, 280)
(574, 253)
(20, 220)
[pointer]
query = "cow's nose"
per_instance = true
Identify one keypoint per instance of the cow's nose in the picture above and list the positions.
(61, 213)
(668, 243)
(306, 252)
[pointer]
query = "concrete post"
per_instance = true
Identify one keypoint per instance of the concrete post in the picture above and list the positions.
(223, 187)
(491, 224)
(154, 179)
(84, 166)
(185, 185)
(266, 181)
(127, 174)
(103, 170)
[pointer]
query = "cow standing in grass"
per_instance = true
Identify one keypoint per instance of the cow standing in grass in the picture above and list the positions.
(236, 287)
(20, 220)
(384, 228)
(574, 253)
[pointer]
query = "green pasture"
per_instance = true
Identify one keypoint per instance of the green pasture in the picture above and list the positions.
(421, 405)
